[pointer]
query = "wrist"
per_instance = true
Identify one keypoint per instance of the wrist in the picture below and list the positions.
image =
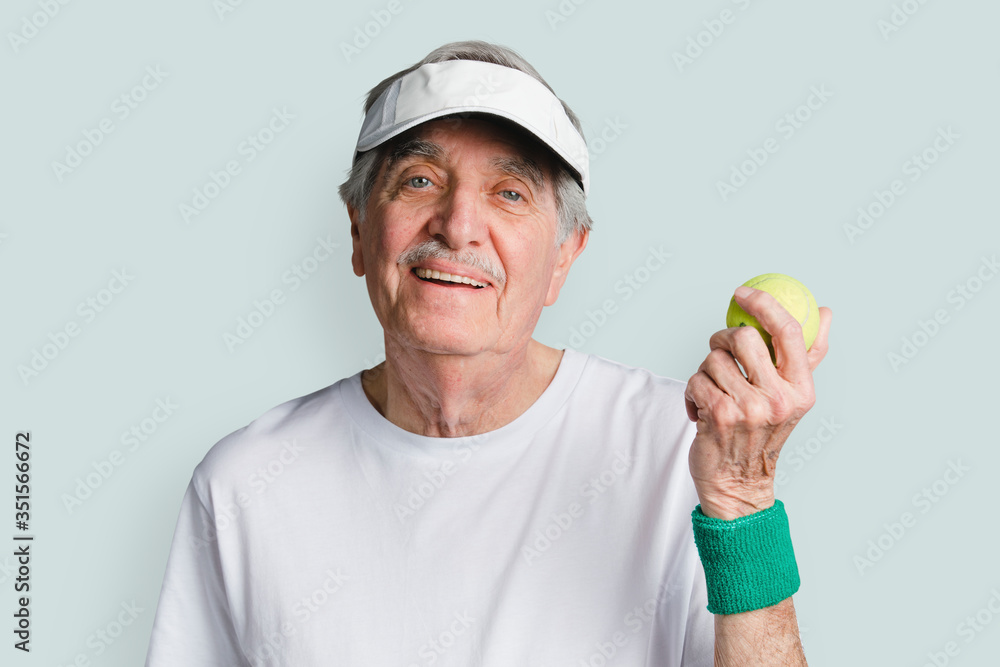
(749, 562)
(729, 506)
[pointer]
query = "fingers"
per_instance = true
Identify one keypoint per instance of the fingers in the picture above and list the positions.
(692, 409)
(791, 360)
(747, 408)
(719, 382)
(744, 344)
(701, 396)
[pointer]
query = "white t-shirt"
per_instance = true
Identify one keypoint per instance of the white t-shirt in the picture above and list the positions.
(324, 534)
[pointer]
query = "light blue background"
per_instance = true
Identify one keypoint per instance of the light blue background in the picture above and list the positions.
(681, 130)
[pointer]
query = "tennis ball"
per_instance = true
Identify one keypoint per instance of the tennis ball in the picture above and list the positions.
(790, 293)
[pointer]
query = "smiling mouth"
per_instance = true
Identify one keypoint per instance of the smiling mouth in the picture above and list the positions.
(439, 278)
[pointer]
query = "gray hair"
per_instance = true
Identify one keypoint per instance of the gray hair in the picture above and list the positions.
(570, 201)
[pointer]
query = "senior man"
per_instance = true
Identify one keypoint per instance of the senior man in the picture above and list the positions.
(481, 498)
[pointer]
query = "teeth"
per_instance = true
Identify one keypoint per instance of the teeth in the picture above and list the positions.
(438, 275)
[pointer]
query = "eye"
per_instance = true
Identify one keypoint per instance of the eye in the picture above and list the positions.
(511, 195)
(418, 182)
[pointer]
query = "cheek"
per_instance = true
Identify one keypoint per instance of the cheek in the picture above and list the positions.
(531, 271)
(383, 245)
(397, 227)
(386, 243)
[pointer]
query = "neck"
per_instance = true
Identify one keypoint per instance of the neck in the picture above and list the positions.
(450, 396)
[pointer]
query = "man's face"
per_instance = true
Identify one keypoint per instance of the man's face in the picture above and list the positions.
(472, 199)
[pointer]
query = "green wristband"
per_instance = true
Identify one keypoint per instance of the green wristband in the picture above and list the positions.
(749, 562)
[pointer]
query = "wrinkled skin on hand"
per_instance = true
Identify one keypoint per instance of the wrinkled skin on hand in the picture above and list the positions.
(744, 420)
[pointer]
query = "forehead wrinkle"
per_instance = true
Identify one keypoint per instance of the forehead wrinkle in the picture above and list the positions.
(519, 165)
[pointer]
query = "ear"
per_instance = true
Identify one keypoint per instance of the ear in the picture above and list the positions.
(357, 255)
(568, 252)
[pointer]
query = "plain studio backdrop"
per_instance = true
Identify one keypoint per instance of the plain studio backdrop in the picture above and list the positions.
(174, 261)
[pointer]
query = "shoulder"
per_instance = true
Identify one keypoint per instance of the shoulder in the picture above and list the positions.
(278, 435)
(631, 402)
(639, 385)
(611, 368)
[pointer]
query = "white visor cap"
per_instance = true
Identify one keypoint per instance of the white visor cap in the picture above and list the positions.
(470, 86)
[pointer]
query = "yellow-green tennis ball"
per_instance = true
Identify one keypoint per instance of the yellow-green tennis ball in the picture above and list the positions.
(790, 293)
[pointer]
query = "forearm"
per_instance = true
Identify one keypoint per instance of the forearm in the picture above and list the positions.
(768, 636)
(745, 403)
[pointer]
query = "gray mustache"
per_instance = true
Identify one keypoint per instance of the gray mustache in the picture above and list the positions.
(434, 249)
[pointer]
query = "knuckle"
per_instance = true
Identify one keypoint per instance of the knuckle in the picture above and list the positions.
(756, 414)
(808, 401)
(746, 335)
(716, 357)
(790, 328)
(725, 415)
(781, 409)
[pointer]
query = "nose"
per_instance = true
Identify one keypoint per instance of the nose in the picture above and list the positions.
(459, 219)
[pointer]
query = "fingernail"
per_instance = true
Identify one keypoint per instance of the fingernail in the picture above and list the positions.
(743, 291)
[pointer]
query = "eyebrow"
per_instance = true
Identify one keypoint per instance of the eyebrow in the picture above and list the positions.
(523, 167)
(413, 148)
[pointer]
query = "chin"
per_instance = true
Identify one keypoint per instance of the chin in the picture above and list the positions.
(446, 342)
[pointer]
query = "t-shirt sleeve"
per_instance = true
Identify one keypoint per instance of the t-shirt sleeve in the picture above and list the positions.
(699, 635)
(193, 624)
